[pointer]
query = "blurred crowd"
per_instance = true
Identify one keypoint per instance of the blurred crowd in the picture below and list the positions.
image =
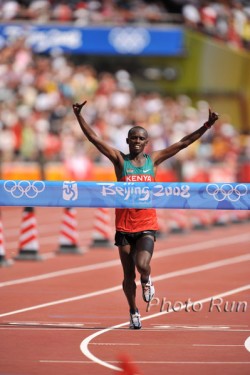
(83, 12)
(227, 20)
(37, 121)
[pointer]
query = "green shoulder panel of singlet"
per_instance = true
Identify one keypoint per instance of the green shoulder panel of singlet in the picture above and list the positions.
(130, 170)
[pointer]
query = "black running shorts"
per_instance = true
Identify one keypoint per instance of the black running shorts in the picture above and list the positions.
(126, 238)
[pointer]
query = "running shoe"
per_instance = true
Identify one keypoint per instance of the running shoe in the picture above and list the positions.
(148, 290)
(135, 320)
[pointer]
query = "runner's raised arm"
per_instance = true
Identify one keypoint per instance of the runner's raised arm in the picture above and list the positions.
(115, 156)
(161, 155)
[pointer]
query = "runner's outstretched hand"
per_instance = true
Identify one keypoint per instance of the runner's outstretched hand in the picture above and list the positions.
(78, 107)
(212, 118)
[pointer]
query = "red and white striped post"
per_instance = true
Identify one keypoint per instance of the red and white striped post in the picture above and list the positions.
(178, 221)
(68, 237)
(220, 218)
(200, 219)
(161, 218)
(3, 261)
(102, 234)
(28, 242)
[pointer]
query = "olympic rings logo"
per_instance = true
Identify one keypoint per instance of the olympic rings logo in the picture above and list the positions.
(28, 188)
(226, 191)
(129, 39)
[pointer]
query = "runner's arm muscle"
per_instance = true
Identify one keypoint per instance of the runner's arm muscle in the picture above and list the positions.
(111, 153)
(159, 156)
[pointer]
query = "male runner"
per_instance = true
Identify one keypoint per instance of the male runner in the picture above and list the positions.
(136, 228)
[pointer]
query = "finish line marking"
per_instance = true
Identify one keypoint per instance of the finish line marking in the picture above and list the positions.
(149, 362)
(84, 344)
(187, 327)
(247, 344)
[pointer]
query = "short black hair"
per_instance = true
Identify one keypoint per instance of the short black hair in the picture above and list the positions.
(137, 127)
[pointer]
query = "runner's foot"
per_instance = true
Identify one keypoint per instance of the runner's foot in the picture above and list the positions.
(135, 320)
(148, 290)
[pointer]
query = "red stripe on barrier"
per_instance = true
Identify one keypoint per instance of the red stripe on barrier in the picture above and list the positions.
(29, 239)
(27, 229)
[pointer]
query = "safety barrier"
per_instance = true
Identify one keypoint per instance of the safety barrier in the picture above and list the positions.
(102, 234)
(28, 241)
(4, 262)
(68, 238)
(215, 196)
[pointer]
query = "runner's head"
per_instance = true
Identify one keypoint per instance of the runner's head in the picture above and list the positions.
(136, 128)
(137, 139)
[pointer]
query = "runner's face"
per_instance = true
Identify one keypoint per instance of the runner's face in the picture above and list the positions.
(137, 141)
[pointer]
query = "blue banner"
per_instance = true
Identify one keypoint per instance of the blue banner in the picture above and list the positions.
(223, 196)
(121, 40)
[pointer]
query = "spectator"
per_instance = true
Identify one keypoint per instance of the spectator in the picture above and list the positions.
(36, 94)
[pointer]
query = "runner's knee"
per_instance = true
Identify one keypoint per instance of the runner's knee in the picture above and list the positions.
(143, 267)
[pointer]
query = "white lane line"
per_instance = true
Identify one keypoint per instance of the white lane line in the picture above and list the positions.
(48, 324)
(204, 267)
(204, 245)
(212, 345)
(200, 326)
(186, 271)
(69, 271)
(192, 327)
(114, 344)
(70, 362)
(84, 238)
(42, 221)
(247, 344)
(196, 330)
(44, 328)
(85, 343)
(200, 246)
(66, 300)
(150, 362)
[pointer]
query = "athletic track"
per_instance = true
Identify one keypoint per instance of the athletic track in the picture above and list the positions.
(67, 314)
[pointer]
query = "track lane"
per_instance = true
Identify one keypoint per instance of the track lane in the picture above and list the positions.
(56, 349)
(53, 284)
